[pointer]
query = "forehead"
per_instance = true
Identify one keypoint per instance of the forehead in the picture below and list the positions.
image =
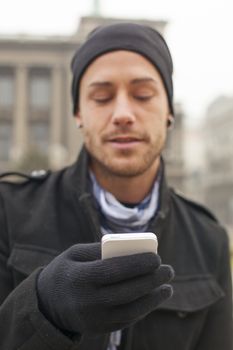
(120, 65)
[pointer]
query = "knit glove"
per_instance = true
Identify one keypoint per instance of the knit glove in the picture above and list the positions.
(80, 293)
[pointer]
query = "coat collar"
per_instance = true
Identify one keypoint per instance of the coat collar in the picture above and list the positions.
(77, 177)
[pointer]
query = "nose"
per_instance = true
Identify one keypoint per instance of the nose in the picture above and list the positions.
(123, 111)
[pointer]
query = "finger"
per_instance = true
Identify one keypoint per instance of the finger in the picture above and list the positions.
(139, 308)
(166, 273)
(121, 316)
(114, 270)
(85, 252)
(134, 288)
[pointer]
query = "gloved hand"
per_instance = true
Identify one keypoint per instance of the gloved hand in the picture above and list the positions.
(80, 293)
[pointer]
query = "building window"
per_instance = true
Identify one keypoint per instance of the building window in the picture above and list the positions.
(5, 139)
(39, 109)
(39, 136)
(6, 112)
(40, 90)
(6, 89)
(6, 93)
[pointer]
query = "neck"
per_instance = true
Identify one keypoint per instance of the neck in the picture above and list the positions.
(128, 189)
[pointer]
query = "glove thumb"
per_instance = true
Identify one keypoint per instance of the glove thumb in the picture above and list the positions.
(85, 252)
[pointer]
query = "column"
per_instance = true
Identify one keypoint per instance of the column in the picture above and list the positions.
(21, 112)
(75, 139)
(57, 151)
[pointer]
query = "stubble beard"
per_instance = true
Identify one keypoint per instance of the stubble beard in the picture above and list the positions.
(127, 168)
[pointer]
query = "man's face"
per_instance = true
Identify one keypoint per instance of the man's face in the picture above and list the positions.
(123, 110)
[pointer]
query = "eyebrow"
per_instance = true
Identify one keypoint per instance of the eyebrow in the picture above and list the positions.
(101, 84)
(134, 82)
(144, 80)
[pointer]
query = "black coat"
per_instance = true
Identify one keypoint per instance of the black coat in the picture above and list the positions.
(42, 216)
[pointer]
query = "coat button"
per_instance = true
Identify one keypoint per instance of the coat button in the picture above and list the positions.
(38, 173)
(181, 314)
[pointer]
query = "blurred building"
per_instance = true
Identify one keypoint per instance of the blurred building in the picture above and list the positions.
(218, 180)
(34, 96)
(35, 99)
(174, 151)
(195, 161)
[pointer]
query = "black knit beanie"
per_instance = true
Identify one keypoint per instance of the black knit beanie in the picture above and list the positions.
(123, 36)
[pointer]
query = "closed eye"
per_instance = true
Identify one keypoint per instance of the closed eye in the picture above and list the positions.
(143, 97)
(102, 100)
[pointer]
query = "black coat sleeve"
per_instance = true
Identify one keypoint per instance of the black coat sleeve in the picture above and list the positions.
(218, 330)
(22, 326)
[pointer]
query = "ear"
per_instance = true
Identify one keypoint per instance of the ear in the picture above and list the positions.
(78, 120)
(170, 121)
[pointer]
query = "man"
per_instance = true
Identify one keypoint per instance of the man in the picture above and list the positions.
(55, 291)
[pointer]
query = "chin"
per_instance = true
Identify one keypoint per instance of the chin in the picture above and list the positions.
(126, 169)
(123, 165)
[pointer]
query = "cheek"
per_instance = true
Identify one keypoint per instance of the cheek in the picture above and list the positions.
(156, 111)
(160, 106)
(93, 127)
(89, 139)
(91, 134)
(94, 118)
(157, 121)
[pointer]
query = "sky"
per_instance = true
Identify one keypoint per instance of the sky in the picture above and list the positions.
(199, 34)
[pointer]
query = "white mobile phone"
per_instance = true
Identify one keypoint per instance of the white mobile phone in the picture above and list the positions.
(119, 244)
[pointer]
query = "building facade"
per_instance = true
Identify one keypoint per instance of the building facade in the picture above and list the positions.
(35, 100)
(174, 151)
(218, 179)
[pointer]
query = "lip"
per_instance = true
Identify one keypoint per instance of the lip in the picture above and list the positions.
(125, 142)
